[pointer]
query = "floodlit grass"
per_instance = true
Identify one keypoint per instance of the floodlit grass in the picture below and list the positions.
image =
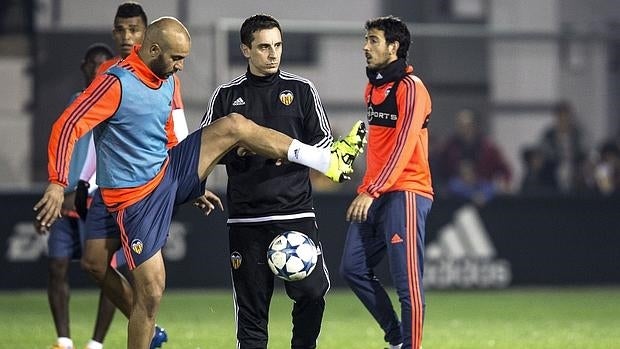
(540, 318)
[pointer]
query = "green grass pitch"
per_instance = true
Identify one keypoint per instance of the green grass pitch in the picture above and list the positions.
(536, 318)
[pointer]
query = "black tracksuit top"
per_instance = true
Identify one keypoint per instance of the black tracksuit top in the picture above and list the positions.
(258, 191)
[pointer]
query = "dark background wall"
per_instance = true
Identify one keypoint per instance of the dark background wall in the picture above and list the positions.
(532, 241)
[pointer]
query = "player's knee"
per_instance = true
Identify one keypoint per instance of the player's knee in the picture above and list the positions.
(238, 124)
(348, 271)
(233, 126)
(311, 289)
(236, 118)
(344, 270)
(93, 267)
(312, 294)
(150, 300)
(57, 268)
(149, 296)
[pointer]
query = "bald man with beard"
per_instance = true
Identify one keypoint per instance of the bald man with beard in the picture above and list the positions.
(141, 181)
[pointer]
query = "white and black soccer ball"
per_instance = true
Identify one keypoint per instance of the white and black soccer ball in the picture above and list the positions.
(292, 256)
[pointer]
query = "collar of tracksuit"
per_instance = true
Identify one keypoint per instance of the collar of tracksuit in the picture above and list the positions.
(261, 80)
(394, 71)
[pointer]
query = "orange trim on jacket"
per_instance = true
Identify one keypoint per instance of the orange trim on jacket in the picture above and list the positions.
(177, 101)
(97, 103)
(107, 64)
(397, 158)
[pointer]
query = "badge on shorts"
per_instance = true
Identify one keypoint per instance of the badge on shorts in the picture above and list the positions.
(235, 260)
(286, 97)
(136, 246)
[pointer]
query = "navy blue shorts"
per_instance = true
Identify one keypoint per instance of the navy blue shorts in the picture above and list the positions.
(99, 222)
(101, 225)
(144, 226)
(65, 238)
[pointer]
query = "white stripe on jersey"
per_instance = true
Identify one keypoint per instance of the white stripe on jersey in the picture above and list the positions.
(325, 142)
(263, 219)
(318, 107)
(208, 117)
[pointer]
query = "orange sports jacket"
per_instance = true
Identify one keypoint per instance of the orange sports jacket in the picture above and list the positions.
(397, 156)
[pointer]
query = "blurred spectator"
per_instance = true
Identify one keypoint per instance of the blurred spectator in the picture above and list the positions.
(562, 145)
(607, 169)
(468, 156)
(538, 177)
(467, 185)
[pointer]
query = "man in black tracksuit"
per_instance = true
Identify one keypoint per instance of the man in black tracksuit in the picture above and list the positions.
(266, 197)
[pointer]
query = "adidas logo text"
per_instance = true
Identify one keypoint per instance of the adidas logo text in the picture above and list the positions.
(463, 255)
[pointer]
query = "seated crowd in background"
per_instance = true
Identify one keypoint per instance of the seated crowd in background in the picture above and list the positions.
(469, 165)
(560, 163)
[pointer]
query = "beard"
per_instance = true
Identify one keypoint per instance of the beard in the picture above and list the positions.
(160, 68)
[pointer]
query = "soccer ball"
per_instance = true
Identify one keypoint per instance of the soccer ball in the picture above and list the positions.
(292, 256)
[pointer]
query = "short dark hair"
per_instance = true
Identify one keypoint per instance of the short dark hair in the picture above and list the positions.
(97, 49)
(394, 30)
(255, 23)
(131, 9)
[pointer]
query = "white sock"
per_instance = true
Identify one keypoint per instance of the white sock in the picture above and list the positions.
(307, 155)
(93, 344)
(65, 342)
(396, 346)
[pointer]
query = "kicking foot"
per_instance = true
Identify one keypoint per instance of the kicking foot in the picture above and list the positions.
(344, 151)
